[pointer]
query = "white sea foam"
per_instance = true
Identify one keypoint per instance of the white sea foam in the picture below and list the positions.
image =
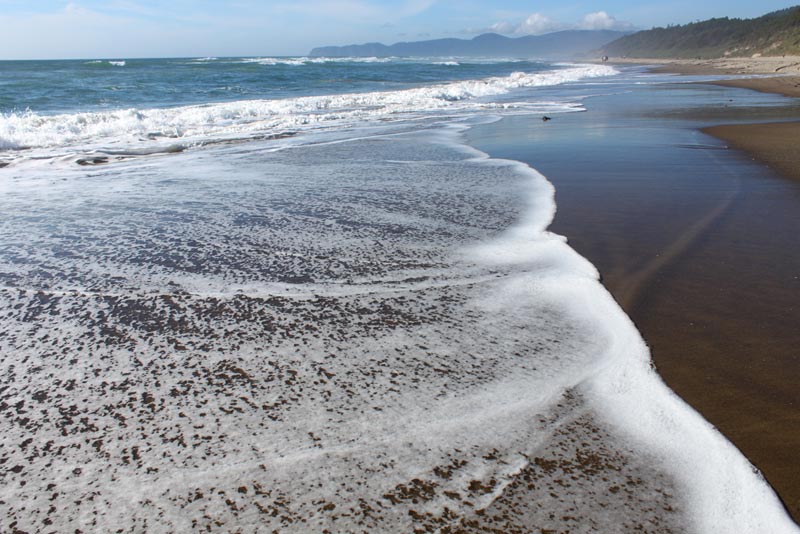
(356, 59)
(113, 63)
(274, 61)
(132, 128)
(396, 371)
(374, 333)
(299, 61)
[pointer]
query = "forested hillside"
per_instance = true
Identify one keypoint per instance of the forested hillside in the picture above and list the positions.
(774, 34)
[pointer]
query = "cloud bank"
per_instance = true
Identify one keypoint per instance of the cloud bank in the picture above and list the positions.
(603, 21)
(538, 24)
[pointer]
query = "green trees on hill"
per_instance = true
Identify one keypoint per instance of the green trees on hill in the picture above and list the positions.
(776, 33)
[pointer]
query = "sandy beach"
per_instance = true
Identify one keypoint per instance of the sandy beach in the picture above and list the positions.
(728, 65)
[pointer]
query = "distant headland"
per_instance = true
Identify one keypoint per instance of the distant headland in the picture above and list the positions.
(558, 45)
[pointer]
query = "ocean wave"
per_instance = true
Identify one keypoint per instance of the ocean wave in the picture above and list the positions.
(433, 60)
(112, 63)
(299, 61)
(351, 59)
(273, 61)
(202, 123)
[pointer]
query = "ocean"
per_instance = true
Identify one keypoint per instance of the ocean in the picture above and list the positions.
(286, 294)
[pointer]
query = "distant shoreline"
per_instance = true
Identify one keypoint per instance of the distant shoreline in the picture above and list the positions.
(725, 65)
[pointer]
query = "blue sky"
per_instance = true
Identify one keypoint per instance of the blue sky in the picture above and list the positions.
(176, 28)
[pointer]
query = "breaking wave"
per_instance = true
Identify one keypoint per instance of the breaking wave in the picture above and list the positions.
(200, 123)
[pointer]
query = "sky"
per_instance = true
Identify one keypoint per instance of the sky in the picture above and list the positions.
(55, 29)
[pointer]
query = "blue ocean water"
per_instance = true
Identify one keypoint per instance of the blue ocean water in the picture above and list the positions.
(283, 294)
(49, 87)
(129, 105)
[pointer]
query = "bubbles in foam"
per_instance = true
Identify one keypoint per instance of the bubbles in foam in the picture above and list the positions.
(366, 334)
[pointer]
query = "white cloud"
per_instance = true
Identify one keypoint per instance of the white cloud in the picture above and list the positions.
(538, 24)
(535, 24)
(603, 21)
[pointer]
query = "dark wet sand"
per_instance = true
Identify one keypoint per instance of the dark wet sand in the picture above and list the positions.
(722, 322)
(782, 85)
(774, 325)
(776, 144)
(699, 245)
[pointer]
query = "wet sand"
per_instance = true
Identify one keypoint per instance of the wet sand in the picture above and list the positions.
(774, 144)
(782, 85)
(698, 244)
(762, 321)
